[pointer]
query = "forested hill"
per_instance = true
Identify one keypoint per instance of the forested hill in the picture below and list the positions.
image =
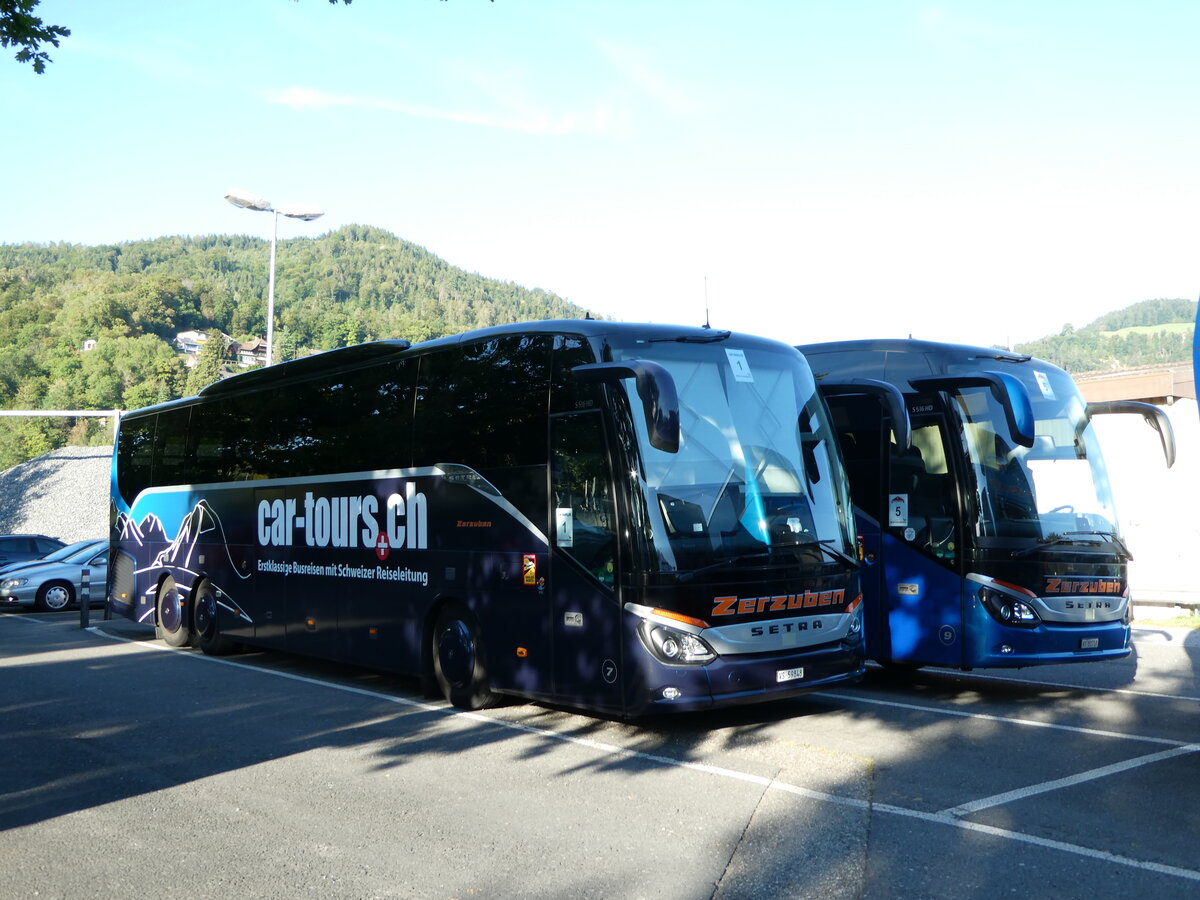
(1146, 333)
(352, 285)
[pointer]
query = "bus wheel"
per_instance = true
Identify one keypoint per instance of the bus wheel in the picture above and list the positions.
(899, 670)
(172, 617)
(204, 617)
(458, 659)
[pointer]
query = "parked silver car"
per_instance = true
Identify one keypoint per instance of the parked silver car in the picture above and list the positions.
(54, 584)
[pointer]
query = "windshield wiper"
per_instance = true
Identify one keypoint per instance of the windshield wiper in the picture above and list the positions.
(1077, 537)
(721, 563)
(826, 545)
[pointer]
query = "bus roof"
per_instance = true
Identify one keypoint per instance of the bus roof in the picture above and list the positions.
(359, 354)
(896, 359)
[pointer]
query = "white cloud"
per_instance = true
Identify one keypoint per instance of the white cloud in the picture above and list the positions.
(528, 122)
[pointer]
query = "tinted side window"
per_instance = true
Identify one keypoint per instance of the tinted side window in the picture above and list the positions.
(376, 409)
(567, 393)
(299, 431)
(222, 446)
(171, 459)
(135, 456)
(858, 423)
(484, 406)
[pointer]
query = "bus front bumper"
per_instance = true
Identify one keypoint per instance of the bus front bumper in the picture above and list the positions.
(1008, 648)
(739, 680)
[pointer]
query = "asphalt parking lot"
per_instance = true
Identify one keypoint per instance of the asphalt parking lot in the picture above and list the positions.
(135, 769)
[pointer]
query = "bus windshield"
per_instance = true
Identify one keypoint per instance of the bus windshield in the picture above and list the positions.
(1056, 490)
(754, 479)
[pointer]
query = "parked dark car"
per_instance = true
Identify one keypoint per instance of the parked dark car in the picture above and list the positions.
(51, 585)
(15, 548)
(61, 553)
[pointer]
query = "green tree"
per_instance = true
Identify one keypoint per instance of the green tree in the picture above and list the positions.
(20, 28)
(208, 365)
(355, 284)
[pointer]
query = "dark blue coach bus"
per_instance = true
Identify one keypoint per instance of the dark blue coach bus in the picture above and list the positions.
(625, 518)
(982, 503)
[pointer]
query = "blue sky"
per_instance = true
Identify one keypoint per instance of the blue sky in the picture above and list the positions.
(972, 171)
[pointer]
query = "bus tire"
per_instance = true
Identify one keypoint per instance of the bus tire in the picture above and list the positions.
(171, 622)
(899, 670)
(205, 623)
(459, 663)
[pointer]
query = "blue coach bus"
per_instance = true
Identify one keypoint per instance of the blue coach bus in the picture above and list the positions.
(986, 519)
(625, 518)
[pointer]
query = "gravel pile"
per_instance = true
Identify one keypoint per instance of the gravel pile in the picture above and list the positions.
(63, 494)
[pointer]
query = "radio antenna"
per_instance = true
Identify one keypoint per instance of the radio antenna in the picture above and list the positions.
(706, 325)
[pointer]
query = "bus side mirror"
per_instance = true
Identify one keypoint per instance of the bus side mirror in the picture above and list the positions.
(889, 398)
(1155, 418)
(655, 387)
(1008, 390)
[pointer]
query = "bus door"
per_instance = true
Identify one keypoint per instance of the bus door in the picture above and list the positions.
(863, 437)
(922, 544)
(584, 610)
(906, 517)
(870, 418)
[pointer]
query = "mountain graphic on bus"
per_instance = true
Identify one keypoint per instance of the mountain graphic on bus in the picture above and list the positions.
(150, 530)
(200, 533)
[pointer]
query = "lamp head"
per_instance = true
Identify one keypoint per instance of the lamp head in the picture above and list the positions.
(300, 211)
(246, 200)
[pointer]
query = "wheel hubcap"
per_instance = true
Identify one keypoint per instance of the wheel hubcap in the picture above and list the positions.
(171, 615)
(206, 613)
(456, 653)
(57, 598)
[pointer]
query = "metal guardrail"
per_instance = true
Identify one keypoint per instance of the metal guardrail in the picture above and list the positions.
(1189, 600)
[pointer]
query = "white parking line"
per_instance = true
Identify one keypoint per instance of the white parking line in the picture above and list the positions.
(1008, 720)
(939, 818)
(1069, 781)
(1067, 686)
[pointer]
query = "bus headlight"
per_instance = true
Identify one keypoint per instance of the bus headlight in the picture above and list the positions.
(855, 609)
(1008, 610)
(675, 647)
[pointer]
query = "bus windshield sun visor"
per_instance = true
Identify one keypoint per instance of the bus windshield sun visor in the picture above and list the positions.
(1009, 392)
(655, 387)
(1155, 418)
(887, 394)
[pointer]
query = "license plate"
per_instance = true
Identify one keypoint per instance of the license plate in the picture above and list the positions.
(783, 675)
(1089, 644)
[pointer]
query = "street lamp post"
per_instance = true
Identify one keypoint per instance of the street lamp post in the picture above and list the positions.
(246, 200)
